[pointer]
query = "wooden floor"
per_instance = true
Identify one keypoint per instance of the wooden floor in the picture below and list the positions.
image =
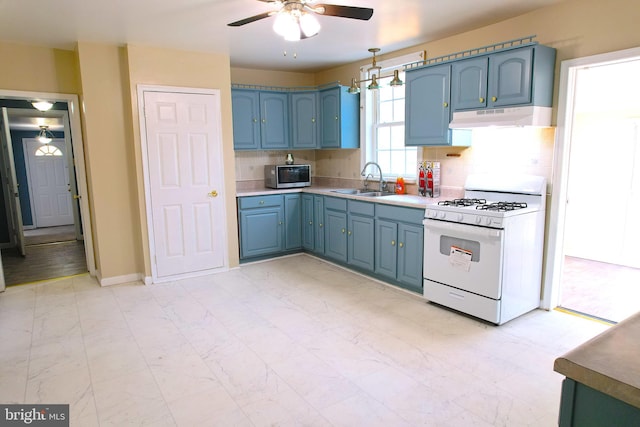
(44, 260)
(607, 291)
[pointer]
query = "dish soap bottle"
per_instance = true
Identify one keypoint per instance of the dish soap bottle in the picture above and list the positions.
(400, 188)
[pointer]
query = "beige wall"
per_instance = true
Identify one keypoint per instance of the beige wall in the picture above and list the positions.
(166, 67)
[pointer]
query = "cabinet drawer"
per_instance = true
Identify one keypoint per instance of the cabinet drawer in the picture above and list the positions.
(361, 208)
(259, 201)
(414, 216)
(335, 203)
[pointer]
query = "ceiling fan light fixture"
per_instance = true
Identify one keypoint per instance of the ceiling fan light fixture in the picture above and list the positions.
(44, 136)
(42, 105)
(309, 25)
(287, 26)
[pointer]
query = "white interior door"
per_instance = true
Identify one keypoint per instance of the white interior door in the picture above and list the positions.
(13, 197)
(185, 179)
(48, 175)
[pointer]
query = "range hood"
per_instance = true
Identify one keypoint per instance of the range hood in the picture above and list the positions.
(503, 117)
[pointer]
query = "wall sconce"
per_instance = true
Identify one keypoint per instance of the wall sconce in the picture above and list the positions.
(374, 72)
(45, 136)
(42, 105)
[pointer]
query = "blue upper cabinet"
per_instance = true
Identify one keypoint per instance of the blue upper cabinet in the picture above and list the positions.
(304, 120)
(516, 77)
(339, 118)
(274, 120)
(469, 84)
(246, 119)
(510, 78)
(260, 119)
(427, 107)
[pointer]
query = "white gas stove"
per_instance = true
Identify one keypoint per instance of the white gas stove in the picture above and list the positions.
(483, 253)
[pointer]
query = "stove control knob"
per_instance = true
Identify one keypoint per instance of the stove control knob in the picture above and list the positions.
(478, 219)
(488, 220)
(460, 217)
(443, 215)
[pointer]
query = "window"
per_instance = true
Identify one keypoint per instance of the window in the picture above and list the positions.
(383, 114)
(48, 150)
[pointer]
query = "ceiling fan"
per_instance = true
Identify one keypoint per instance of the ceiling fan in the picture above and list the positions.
(295, 18)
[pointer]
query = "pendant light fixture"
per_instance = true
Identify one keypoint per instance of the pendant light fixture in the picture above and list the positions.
(45, 136)
(375, 72)
(42, 105)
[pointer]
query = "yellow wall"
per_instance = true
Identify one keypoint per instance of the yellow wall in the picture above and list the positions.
(110, 160)
(155, 66)
(38, 69)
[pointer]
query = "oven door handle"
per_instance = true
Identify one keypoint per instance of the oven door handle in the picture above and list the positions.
(462, 229)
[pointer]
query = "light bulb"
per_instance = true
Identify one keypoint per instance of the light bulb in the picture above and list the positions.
(309, 25)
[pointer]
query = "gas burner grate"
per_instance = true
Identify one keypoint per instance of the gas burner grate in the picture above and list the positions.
(462, 202)
(502, 206)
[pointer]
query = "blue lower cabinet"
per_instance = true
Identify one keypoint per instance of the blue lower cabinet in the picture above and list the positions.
(261, 232)
(269, 225)
(308, 223)
(335, 233)
(399, 243)
(318, 224)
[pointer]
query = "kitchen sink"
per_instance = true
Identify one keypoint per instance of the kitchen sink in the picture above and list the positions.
(362, 192)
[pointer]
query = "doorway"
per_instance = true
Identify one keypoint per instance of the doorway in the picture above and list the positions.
(593, 259)
(55, 242)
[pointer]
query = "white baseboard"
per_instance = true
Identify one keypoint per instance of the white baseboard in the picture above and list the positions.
(118, 280)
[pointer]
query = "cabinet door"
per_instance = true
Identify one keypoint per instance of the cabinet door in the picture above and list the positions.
(330, 118)
(318, 215)
(469, 84)
(246, 114)
(360, 241)
(292, 222)
(386, 248)
(335, 237)
(510, 78)
(308, 234)
(410, 255)
(274, 120)
(304, 129)
(427, 110)
(260, 232)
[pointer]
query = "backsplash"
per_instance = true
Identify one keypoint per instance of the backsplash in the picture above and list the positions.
(250, 164)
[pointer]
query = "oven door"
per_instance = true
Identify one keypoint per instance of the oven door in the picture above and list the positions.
(464, 256)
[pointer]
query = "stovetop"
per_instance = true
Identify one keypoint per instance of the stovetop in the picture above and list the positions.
(479, 211)
(484, 205)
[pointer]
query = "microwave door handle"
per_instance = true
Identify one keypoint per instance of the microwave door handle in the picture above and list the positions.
(462, 229)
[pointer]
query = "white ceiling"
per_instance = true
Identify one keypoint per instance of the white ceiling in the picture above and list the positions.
(201, 25)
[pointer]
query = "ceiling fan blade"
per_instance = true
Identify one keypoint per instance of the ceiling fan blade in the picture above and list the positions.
(251, 19)
(363, 13)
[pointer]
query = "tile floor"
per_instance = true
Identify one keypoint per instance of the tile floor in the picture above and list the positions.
(289, 342)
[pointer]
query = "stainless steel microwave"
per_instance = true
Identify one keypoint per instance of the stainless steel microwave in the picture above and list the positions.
(287, 176)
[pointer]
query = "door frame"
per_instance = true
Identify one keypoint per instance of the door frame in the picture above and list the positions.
(557, 213)
(74, 124)
(141, 89)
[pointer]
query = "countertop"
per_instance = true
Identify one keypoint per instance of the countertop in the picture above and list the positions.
(408, 200)
(609, 362)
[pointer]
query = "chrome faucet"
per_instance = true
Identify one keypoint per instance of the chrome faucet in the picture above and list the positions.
(382, 183)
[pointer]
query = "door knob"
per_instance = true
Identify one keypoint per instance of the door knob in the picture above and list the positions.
(212, 193)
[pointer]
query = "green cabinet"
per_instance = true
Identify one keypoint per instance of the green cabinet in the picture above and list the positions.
(304, 120)
(260, 119)
(399, 246)
(428, 108)
(339, 118)
(517, 77)
(269, 225)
